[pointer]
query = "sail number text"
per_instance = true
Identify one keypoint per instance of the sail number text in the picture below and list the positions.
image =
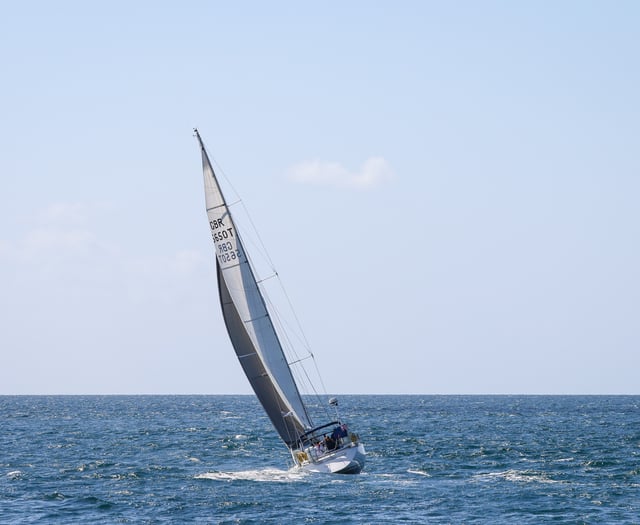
(219, 232)
(227, 253)
(225, 248)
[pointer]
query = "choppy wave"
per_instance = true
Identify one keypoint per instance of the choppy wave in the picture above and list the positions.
(431, 459)
(419, 472)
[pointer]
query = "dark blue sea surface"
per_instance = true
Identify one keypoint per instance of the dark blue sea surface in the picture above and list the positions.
(216, 459)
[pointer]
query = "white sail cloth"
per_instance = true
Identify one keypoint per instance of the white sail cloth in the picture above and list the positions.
(247, 319)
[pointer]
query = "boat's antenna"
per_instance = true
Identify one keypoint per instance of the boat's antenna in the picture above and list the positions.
(334, 403)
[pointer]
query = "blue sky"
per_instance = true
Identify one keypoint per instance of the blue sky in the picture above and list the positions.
(449, 191)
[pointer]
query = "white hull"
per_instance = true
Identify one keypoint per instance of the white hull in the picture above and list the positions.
(346, 460)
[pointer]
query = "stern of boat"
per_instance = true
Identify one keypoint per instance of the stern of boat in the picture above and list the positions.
(346, 456)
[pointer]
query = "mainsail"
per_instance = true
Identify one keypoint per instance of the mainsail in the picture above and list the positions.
(247, 319)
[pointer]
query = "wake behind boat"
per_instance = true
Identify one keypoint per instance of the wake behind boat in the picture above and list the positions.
(330, 447)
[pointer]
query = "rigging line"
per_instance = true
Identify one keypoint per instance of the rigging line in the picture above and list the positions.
(324, 388)
(286, 337)
(298, 330)
(249, 259)
(293, 311)
(302, 376)
(257, 233)
(301, 372)
(286, 408)
(318, 375)
(267, 278)
(267, 315)
(287, 329)
(259, 246)
(299, 360)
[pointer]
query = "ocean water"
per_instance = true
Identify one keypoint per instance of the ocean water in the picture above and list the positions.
(215, 459)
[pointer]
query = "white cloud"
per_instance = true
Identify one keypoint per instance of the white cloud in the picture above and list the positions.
(373, 172)
(62, 244)
(43, 245)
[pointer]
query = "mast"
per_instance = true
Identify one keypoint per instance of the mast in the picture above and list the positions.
(247, 318)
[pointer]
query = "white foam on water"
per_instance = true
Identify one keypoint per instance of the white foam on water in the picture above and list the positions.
(264, 475)
(520, 476)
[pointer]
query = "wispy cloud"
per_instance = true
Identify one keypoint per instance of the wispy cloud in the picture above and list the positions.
(58, 231)
(65, 213)
(62, 246)
(373, 172)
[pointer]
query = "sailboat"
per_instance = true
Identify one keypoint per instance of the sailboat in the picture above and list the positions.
(330, 447)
